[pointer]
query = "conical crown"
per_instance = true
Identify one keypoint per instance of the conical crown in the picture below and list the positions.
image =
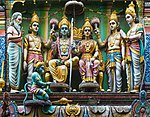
(87, 24)
(130, 10)
(64, 21)
(114, 16)
(35, 18)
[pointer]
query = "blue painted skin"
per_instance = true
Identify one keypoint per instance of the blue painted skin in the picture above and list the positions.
(40, 93)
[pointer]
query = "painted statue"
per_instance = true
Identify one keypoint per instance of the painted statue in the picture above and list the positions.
(115, 54)
(14, 37)
(52, 49)
(59, 65)
(39, 88)
(95, 22)
(89, 63)
(134, 50)
(33, 45)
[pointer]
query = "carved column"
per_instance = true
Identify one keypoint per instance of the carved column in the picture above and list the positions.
(140, 4)
(147, 44)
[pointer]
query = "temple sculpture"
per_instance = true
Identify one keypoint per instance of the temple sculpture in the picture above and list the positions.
(134, 50)
(95, 22)
(89, 63)
(59, 66)
(14, 37)
(33, 45)
(39, 88)
(75, 58)
(115, 54)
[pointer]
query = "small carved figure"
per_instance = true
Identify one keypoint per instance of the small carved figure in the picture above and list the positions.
(5, 106)
(39, 88)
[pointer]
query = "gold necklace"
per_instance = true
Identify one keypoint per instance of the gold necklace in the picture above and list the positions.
(36, 41)
(113, 39)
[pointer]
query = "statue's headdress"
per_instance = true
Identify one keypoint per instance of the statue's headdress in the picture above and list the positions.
(35, 18)
(87, 24)
(64, 21)
(114, 16)
(130, 10)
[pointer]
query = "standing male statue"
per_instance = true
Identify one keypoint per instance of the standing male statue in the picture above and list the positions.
(33, 45)
(115, 54)
(14, 37)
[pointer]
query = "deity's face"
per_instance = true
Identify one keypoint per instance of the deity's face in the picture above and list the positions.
(87, 31)
(129, 18)
(19, 19)
(35, 26)
(64, 30)
(113, 25)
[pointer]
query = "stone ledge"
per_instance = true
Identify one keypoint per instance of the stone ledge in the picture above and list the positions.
(88, 98)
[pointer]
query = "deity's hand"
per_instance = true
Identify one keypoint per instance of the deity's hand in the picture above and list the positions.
(73, 46)
(96, 31)
(25, 65)
(92, 60)
(21, 33)
(122, 33)
(48, 83)
(128, 40)
(101, 62)
(53, 34)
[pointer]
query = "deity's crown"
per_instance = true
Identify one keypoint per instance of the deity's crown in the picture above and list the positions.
(87, 24)
(114, 16)
(64, 21)
(130, 10)
(35, 18)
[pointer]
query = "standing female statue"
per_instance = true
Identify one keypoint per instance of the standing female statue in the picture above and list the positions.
(134, 50)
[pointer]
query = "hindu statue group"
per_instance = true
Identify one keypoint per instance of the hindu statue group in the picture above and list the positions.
(124, 52)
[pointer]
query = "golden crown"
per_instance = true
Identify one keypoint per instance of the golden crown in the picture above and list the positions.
(87, 24)
(77, 33)
(64, 21)
(130, 10)
(114, 16)
(35, 18)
